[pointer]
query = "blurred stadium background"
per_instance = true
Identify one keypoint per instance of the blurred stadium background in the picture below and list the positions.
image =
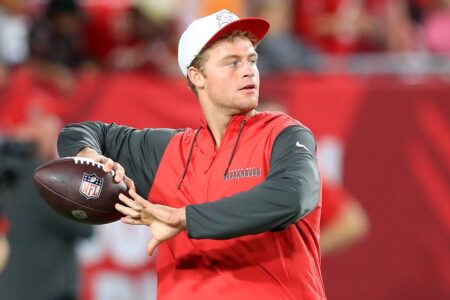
(371, 78)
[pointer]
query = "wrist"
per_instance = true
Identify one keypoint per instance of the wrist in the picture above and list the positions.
(182, 216)
(88, 153)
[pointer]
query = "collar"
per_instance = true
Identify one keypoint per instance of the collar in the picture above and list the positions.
(236, 120)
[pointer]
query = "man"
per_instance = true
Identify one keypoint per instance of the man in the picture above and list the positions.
(233, 205)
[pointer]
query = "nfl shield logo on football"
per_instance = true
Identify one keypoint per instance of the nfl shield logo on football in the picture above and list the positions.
(91, 186)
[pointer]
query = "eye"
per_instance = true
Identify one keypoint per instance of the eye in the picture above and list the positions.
(253, 61)
(233, 63)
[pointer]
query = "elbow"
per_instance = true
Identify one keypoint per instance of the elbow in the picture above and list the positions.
(59, 144)
(74, 137)
(299, 205)
(64, 139)
(305, 198)
(306, 205)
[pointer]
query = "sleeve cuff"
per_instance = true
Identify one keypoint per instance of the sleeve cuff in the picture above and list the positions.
(188, 221)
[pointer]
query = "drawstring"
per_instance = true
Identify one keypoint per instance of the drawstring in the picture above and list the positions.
(234, 149)
(192, 147)
(189, 157)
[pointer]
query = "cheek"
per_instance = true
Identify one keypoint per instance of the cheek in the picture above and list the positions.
(219, 84)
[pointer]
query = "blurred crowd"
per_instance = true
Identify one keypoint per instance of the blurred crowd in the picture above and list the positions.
(57, 37)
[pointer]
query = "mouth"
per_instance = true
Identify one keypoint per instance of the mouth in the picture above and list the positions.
(248, 87)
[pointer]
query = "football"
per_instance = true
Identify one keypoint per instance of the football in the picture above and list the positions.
(79, 189)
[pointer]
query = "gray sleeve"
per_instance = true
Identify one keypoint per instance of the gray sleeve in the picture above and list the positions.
(138, 151)
(289, 193)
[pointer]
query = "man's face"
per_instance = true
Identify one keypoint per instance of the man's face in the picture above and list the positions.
(232, 78)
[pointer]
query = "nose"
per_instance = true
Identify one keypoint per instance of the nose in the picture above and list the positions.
(249, 69)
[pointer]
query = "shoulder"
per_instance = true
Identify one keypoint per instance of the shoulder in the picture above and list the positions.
(155, 136)
(184, 135)
(279, 121)
(284, 129)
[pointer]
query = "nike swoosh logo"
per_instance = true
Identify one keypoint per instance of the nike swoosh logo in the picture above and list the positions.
(301, 146)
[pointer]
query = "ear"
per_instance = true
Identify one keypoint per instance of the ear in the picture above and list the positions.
(196, 77)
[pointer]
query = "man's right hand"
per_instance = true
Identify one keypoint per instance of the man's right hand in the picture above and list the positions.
(108, 166)
(165, 222)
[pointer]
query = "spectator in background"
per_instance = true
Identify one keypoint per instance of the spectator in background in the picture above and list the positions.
(13, 32)
(431, 24)
(57, 36)
(146, 40)
(344, 221)
(130, 33)
(356, 26)
(417, 26)
(162, 48)
(342, 26)
(57, 45)
(42, 243)
(134, 37)
(400, 33)
(282, 50)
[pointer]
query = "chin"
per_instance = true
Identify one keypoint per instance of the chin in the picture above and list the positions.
(245, 109)
(244, 104)
(250, 100)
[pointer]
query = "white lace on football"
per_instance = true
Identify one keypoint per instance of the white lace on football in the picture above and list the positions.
(88, 161)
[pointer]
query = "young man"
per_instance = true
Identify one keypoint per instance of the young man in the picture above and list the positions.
(234, 205)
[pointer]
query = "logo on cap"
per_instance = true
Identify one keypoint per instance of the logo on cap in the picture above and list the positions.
(224, 17)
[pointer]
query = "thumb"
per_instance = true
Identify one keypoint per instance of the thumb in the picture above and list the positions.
(152, 246)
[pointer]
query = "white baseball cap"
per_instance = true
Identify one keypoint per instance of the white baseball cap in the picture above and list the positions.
(204, 31)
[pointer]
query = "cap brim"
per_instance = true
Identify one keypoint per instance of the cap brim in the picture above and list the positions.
(257, 26)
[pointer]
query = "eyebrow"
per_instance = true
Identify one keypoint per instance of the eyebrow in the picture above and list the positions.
(254, 54)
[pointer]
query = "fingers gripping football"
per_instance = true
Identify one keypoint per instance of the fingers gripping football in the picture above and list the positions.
(108, 166)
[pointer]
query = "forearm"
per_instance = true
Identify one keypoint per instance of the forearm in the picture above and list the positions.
(138, 151)
(74, 137)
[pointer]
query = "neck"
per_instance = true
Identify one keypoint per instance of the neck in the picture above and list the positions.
(218, 122)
